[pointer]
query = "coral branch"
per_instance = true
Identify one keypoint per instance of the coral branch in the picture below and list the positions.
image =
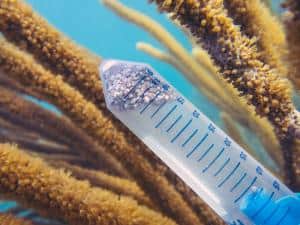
(292, 23)
(17, 87)
(68, 158)
(57, 128)
(295, 161)
(256, 20)
(294, 7)
(32, 32)
(237, 58)
(37, 184)
(100, 179)
(8, 219)
(292, 27)
(156, 53)
(38, 145)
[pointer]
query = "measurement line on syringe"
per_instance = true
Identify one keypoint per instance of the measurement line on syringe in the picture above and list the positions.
(239, 182)
(213, 161)
(151, 101)
(182, 130)
(229, 175)
(246, 190)
(197, 146)
(166, 116)
(222, 167)
(206, 152)
(158, 109)
(189, 138)
(174, 123)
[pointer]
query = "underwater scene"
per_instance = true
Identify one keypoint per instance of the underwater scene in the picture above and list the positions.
(149, 112)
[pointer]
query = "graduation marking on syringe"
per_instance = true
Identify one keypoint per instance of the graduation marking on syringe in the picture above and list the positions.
(222, 167)
(205, 153)
(229, 175)
(175, 122)
(158, 109)
(166, 116)
(213, 161)
(246, 190)
(152, 100)
(239, 182)
(189, 138)
(197, 146)
(181, 131)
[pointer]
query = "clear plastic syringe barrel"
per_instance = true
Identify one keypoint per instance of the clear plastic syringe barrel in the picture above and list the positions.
(200, 153)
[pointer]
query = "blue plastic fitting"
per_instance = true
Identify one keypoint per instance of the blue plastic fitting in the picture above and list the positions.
(262, 210)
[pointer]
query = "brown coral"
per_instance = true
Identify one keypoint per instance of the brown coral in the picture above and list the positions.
(292, 25)
(34, 34)
(29, 115)
(100, 179)
(256, 20)
(7, 219)
(237, 58)
(47, 189)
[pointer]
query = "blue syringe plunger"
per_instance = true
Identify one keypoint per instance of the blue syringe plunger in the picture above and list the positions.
(261, 209)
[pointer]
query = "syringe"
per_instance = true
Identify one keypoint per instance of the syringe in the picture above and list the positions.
(229, 180)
